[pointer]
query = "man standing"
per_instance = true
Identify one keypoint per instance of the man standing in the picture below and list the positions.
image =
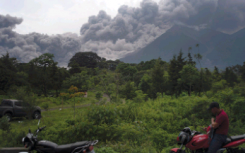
(221, 126)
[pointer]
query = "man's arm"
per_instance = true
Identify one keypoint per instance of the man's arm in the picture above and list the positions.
(214, 124)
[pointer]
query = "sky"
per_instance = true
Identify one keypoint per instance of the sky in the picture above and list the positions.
(58, 16)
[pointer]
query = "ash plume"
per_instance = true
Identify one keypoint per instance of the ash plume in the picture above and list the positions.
(130, 30)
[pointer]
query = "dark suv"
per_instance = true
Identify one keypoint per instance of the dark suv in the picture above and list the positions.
(16, 108)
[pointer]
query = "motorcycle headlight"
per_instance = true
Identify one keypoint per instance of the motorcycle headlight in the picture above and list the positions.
(184, 138)
(23, 140)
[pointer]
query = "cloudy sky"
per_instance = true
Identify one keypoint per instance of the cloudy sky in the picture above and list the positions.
(112, 29)
(58, 16)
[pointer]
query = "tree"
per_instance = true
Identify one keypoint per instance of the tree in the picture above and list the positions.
(243, 72)
(40, 71)
(127, 71)
(207, 80)
(175, 66)
(189, 75)
(73, 90)
(147, 65)
(106, 83)
(98, 95)
(56, 78)
(220, 85)
(128, 91)
(227, 97)
(75, 68)
(81, 80)
(146, 86)
(190, 61)
(138, 76)
(157, 77)
(189, 49)
(7, 72)
(85, 59)
(216, 74)
(230, 77)
(140, 96)
(198, 56)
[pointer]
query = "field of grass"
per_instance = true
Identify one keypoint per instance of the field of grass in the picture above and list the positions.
(136, 127)
(57, 102)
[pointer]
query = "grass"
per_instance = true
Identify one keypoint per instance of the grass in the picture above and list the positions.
(49, 118)
(57, 102)
(158, 123)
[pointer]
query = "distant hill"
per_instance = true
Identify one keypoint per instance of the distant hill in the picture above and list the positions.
(218, 49)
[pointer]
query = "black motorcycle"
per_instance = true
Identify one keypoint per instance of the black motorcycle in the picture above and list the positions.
(31, 142)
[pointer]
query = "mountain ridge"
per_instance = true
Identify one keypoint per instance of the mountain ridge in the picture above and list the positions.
(217, 48)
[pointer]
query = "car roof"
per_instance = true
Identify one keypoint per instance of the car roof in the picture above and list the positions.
(11, 99)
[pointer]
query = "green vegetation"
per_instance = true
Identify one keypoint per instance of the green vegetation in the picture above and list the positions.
(142, 107)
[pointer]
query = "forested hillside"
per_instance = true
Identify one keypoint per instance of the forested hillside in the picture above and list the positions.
(148, 103)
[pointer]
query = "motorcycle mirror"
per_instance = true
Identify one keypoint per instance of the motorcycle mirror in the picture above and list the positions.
(29, 130)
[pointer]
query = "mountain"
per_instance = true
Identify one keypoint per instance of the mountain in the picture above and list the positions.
(231, 51)
(217, 48)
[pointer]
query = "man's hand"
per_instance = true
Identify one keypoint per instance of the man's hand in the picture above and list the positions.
(204, 129)
(214, 124)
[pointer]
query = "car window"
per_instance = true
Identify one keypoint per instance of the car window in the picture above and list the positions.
(7, 103)
(25, 104)
(18, 104)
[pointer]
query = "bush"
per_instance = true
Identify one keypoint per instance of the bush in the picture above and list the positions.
(70, 122)
(140, 96)
(45, 106)
(105, 114)
(105, 150)
(238, 109)
(98, 95)
(162, 139)
(4, 124)
(222, 84)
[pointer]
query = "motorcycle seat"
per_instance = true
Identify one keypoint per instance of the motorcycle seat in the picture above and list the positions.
(234, 138)
(238, 137)
(69, 147)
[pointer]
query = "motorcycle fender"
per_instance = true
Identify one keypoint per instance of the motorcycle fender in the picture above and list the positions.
(234, 143)
(175, 149)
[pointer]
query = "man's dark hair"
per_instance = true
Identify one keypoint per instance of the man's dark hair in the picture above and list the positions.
(213, 104)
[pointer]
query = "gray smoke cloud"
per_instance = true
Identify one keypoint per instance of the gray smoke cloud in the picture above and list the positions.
(130, 30)
(27, 47)
(133, 28)
(9, 21)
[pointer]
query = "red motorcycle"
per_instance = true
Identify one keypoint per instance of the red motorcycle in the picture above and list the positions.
(196, 142)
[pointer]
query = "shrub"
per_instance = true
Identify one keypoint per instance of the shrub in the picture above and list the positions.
(238, 109)
(105, 114)
(4, 124)
(105, 150)
(222, 84)
(70, 122)
(45, 106)
(162, 139)
(98, 95)
(140, 96)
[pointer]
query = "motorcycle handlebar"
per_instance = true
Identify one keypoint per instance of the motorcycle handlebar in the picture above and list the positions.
(42, 128)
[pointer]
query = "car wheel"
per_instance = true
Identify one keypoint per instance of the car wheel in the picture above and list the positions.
(9, 116)
(36, 115)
